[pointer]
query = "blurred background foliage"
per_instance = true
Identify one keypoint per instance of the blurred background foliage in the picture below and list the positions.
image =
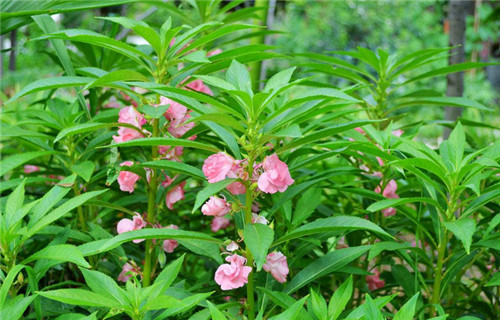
(312, 26)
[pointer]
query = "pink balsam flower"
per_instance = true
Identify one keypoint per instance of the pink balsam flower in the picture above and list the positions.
(233, 275)
(131, 116)
(276, 176)
(374, 282)
(398, 132)
(127, 179)
(30, 168)
(126, 225)
(390, 193)
(127, 134)
(215, 206)
(277, 265)
(169, 245)
(259, 219)
(174, 195)
(198, 85)
(219, 223)
(127, 271)
(217, 166)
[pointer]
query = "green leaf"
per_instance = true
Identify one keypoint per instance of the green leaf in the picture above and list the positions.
(84, 169)
(494, 281)
(220, 118)
(51, 83)
(407, 312)
(329, 263)
(337, 223)
(114, 76)
(443, 101)
(104, 245)
(48, 25)
(387, 203)
(238, 75)
(210, 190)
(339, 299)
(279, 80)
(149, 142)
(463, 229)
(166, 277)
(197, 56)
(306, 205)
(62, 210)
(163, 302)
(215, 313)
(174, 166)
(456, 146)
(155, 112)
(60, 252)
(216, 82)
(91, 127)
(449, 69)
(99, 40)
(7, 283)
(9, 163)
(371, 309)
(258, 238)
(325, 133)
(80, 297)
(206, 249)
(13, 205)
(101, 283)
(386, 245)
(292, 131)
(292, 312)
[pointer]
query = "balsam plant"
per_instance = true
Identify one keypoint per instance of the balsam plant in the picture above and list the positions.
(166, 170)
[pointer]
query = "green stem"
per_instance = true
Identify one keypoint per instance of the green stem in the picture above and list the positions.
(151, 211)
(249, 256)
(438, 272)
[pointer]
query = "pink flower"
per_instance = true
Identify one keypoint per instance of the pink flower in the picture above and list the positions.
(171, 153)
(217, 166)
(175, 111)
(174, 195)
(358, 129)
(127, 134)
(236, 188)
(126, 225)
(374, 282)
(198, 85)
(219, 223)
(169, 245)
(259, 219)
(276, 176)
(398, 132)
(30, 168)
(131, 116)
(233, 246)
(277, 265)
(233, 275)
(213, 52)
(112, 103)
(127, 271)
(216, 207)
(178, 127)
(127, 179)
(390, 193)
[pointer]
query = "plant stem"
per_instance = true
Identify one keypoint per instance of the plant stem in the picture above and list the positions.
(261, 19)
(151, 211)
(248, 219)
(439, 270)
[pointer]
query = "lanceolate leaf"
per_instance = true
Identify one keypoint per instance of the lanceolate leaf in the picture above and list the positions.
(387, 203)
(149, 142)
(463, 229)
(258, 238)
(330, 262)
(9, 163)
(174, 166)
(61, 252)
(80, 297)
(338, 223)
(100, 246)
